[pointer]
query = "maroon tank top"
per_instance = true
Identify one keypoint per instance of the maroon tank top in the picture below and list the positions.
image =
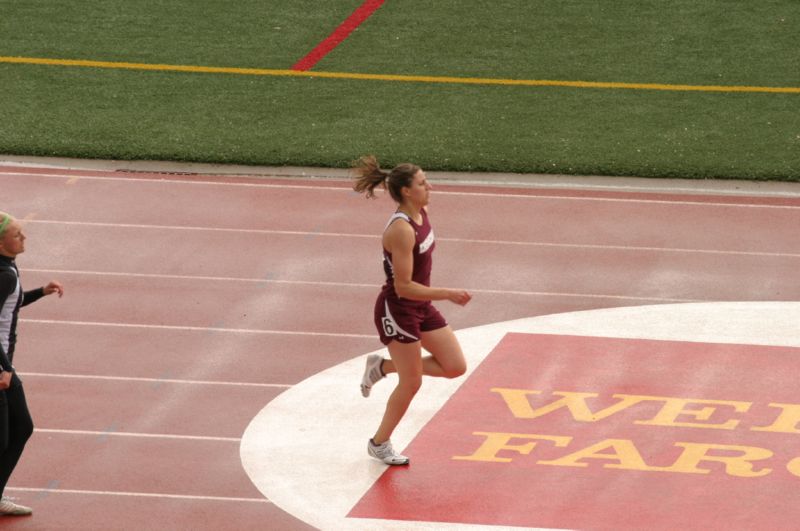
(423, 257)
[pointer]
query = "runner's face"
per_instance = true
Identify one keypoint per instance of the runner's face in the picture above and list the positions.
(420, 190)
(12, 242)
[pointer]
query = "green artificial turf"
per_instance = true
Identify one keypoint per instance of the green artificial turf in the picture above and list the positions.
(125, 114)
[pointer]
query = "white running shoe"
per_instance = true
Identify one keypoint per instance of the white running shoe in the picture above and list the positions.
(7, 507)
(386, 453)
(372, 374)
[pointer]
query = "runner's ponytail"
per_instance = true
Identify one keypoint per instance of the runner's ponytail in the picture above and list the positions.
(369, 175)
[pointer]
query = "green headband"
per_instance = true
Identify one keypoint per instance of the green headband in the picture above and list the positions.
(4, 224)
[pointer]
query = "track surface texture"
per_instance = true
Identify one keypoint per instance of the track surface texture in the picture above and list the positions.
(193, 300)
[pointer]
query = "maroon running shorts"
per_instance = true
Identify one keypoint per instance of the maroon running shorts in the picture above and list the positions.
(402, 323)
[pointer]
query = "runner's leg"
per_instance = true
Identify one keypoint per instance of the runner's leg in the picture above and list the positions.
(17, 429)
(406, 360)
(446, 359)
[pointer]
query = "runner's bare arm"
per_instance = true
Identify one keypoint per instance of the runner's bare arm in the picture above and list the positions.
(399, 240)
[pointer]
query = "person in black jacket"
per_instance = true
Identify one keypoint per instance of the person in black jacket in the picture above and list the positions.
(16, 425)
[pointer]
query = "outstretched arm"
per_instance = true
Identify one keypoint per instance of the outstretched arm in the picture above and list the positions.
(36, 294)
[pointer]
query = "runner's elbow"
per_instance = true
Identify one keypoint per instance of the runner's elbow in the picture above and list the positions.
(403, 289)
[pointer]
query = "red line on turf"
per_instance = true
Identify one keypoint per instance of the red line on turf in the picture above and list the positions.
(333, 40)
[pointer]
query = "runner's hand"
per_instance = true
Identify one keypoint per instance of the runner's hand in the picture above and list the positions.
(459, 296)
(54, 287)
(5, 380)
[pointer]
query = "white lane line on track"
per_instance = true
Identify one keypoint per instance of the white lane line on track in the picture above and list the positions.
(111, 433)
(698, 202)
(137, 494)
(152, 380)
(138, 180)
(346, 188)
(523, 181)
(583, 295)
(454, 240)
(204, 229)
(195, 328)
(348, 285)
(623, 248)
(204, 278)
(651, 187)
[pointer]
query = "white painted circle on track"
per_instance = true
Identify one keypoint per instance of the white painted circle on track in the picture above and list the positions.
(306, 450)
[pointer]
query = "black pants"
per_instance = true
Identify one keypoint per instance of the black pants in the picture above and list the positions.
(16, 427)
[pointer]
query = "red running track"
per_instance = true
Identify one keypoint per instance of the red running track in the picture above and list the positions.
(192, 301)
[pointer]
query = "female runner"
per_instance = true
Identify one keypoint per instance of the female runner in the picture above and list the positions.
(406, 320)
(16, 425)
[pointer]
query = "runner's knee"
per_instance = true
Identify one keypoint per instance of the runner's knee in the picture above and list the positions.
(410, 383)
(455, 370)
